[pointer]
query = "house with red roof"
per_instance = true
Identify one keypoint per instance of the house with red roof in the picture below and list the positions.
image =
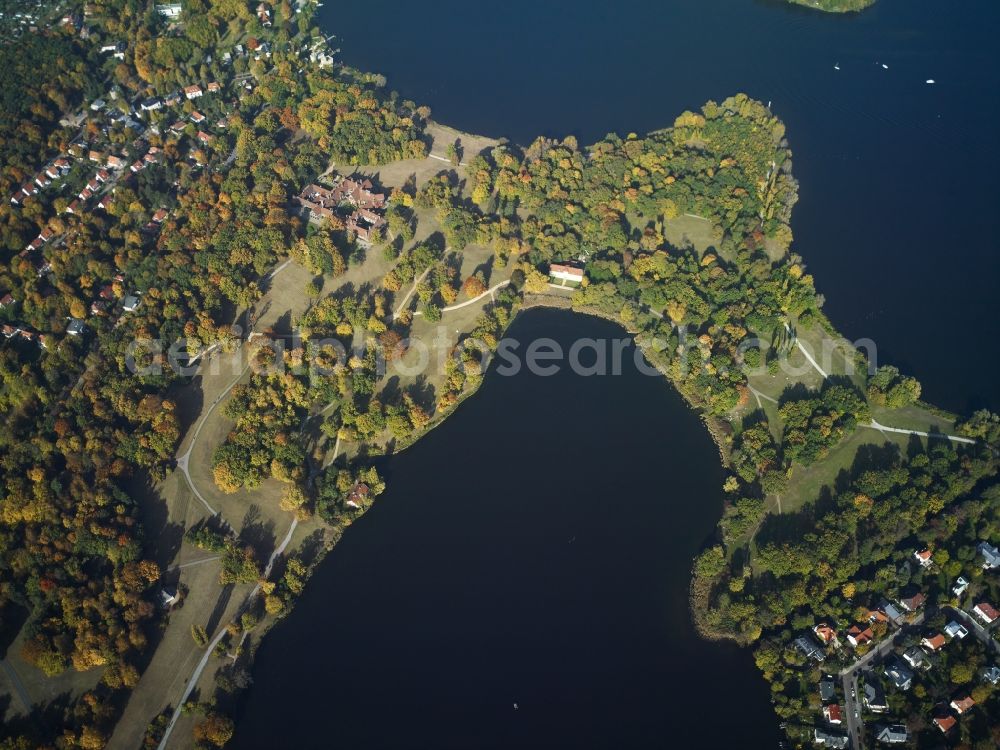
(963, 704)
(825, 633)
(357, 496)
(934, 643)
(986, 612)
(858, 636)
(945, 723)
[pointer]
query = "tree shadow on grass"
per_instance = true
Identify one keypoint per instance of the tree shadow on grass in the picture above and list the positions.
(258, 533)
(220, 609)
(41, 722)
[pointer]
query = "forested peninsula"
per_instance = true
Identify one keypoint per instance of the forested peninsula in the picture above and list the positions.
(210, 177)
(836, 6)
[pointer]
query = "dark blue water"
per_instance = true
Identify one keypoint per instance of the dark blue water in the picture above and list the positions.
(899, 188)
(535, 550)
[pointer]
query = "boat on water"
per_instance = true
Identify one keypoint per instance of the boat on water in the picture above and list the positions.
(929, 80)
(885, 66)
(836, 66)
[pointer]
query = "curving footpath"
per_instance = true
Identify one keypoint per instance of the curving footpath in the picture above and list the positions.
(875, 425)
(474, 300)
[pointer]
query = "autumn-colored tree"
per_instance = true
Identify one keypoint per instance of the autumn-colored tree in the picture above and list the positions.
(473, 286)
(215, 729)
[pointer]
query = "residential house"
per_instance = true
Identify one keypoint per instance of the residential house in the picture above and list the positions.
(7, 301)
(961, 584)
(934, 643)
(99, 307)
(173, 98)
(8, 331)
(197, 117)
(204, 137)
(833, 714)
(962, 704)
(75, 327)
(828, 739)
(357, 496)
(991, 555)
(992, 675)
(151, 104)
(192, 92)
(914, 602)
(893, 612)
(915, 658)
(857, 636)
(945, 723)
(214, 87)
(168, 597)
(566, 273)
(874, 695)
(264, 15)
(955, 630)
(160, 215)
(827, 689)
(73, 207)
(809, 648)
(985, 612)
(902, 678)
(102, 175)
(97, 156)
(825, 633)
(892, 734)
(137, 166)
(130, 303)
(115, 162)
(923, 558)
(169, 10)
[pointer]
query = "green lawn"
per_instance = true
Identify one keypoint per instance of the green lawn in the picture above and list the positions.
(690, 230)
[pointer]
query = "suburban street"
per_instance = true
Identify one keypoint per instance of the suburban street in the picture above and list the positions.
(849, 679)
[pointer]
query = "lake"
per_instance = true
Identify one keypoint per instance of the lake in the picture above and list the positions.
(897, 218)
(535, 550)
